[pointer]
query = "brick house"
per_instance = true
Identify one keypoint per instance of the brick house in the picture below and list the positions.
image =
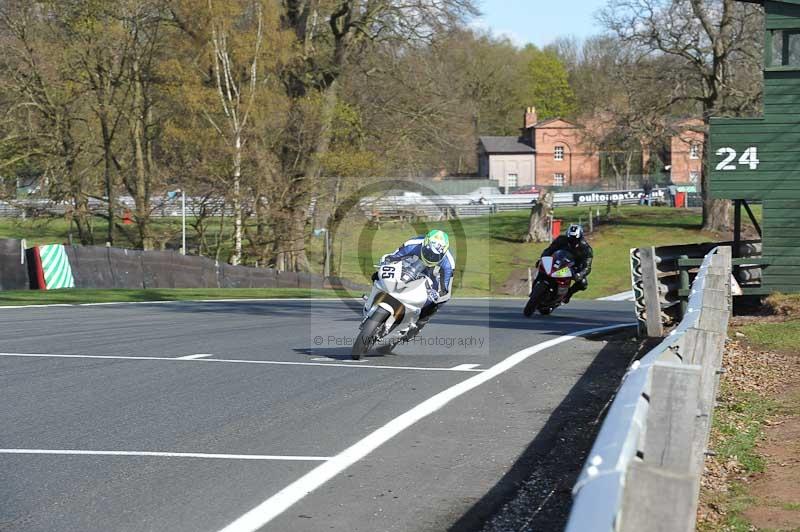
(686, 157)
(547, 153)
(555, 153)
(563, 157)
(508, 160)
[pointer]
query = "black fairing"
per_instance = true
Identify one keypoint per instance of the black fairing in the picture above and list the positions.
(562, 258)
(555, 293)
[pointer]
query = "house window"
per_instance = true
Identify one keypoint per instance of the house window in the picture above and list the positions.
(511, 180)
(558, 180)
(694, 177)
(694, 151)
(558, 153)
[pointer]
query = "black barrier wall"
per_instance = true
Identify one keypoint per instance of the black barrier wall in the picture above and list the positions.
(90, 267)
(126, 268)
(13, 265)
(100, 267)
(103, 267)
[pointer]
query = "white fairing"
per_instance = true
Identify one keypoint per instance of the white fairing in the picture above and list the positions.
(413, 295)
(547, 264)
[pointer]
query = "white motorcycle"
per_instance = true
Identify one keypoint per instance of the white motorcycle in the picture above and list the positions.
(392, 309)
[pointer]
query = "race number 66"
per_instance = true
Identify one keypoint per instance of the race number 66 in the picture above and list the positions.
(748, 158)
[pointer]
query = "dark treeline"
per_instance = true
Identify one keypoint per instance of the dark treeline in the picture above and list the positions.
(263, 105)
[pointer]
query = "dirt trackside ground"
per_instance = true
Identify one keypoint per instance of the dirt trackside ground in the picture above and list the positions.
(753, 481)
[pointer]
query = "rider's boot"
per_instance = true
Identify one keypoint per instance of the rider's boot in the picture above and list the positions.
(421, 322)
(570, 293)
(413, 330)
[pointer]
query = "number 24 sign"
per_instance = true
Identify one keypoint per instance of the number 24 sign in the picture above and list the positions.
(748, 158)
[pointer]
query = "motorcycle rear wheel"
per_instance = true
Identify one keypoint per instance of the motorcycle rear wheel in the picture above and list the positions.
(535, 299)
(367, 335)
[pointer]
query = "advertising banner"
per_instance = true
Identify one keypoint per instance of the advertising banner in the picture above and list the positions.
(590, 198)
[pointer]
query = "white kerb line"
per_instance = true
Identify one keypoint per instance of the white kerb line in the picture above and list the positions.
(195, 357)
(291, 494)
(166, 454)
(184, 360)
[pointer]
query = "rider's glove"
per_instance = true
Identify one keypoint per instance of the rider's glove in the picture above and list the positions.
(433, 295)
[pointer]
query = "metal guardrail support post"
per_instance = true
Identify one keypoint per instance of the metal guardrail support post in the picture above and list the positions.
(668, 469)
(652, 300)
(724, 258)
(674, 389)
(705, 349)
(684, 285)
(714, 320)
(659, 503)
(716, 299)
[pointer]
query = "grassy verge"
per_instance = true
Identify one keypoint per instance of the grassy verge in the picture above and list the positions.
(763, 365)
(737, 429)
(493, 252)
(496, 254)
(76, 296)
(774, 336)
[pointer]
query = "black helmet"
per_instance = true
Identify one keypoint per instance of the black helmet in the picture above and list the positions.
(575, 234)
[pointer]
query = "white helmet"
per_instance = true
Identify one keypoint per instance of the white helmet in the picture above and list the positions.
(575, 232)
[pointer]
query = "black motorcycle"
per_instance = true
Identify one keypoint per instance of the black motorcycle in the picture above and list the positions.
(552, 283)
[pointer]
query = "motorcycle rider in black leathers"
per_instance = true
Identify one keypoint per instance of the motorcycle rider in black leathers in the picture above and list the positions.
(575, 243)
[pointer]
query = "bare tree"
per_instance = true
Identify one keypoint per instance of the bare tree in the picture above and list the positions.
(331, 36)
(236, 88)
(716, 43)
(97, 56)
(40, 95)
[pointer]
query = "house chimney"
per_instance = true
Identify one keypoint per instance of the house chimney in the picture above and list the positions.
(530, 117)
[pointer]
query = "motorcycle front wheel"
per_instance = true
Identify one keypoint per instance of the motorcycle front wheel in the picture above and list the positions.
(535, 299)
(367, 336)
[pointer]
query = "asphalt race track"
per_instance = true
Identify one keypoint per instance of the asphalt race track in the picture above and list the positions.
(187, 416)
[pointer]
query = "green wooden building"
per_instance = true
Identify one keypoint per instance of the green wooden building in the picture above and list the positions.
(759, 158)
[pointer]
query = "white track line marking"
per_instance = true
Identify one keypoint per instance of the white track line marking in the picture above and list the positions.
(331, 299)
(353, 364)
(195, 357)
(278, 503)
(168, 455)
(165, 302)
(328, 359)
(464, 367)
(622, 296)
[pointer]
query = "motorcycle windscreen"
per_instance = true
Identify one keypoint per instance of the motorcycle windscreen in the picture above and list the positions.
(413, 268)
(562, 273)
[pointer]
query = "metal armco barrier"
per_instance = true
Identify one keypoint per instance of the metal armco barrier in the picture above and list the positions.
(644, 470)
(465, 204)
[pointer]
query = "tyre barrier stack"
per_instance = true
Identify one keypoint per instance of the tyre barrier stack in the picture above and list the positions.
(644, 470)
(655, 280)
